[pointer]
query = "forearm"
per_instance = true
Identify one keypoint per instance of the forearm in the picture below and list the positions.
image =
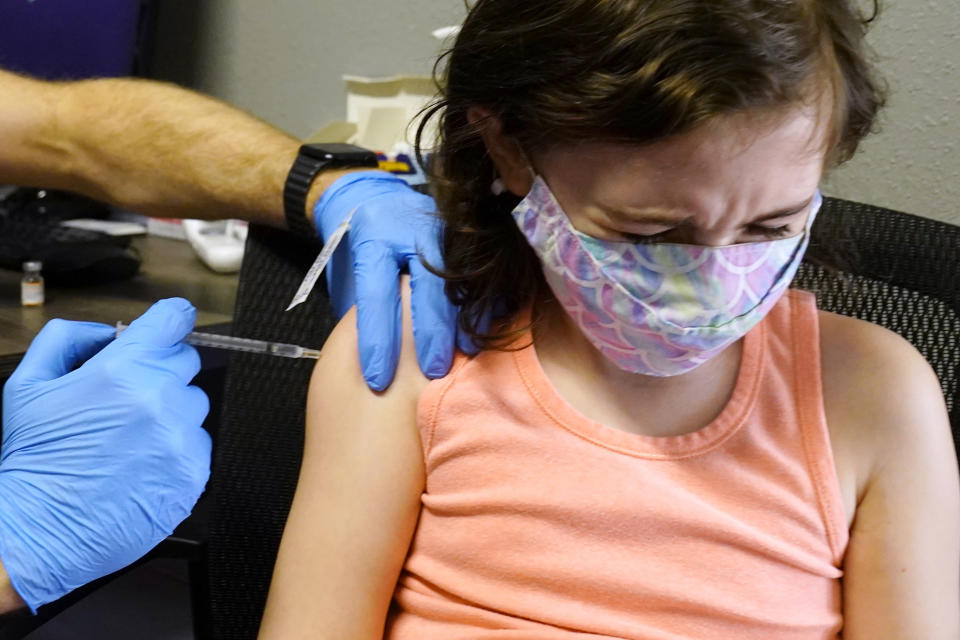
(150, 147)
(9, 599)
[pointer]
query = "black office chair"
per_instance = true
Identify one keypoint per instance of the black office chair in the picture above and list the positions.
(260, 444)
(894, 269)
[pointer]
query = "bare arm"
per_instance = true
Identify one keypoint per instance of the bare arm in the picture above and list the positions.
(902, 565)
(151, 147)
(357, 500)
(9, 599)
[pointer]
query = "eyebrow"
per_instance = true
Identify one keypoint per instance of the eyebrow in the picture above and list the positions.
(783, 213)
(668, 217)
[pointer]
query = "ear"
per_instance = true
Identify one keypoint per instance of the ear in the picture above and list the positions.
(505, 151)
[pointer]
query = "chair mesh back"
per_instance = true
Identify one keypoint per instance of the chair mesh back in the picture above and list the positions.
(260, 442)
(902, 272)
(896, 270)
(929, 323)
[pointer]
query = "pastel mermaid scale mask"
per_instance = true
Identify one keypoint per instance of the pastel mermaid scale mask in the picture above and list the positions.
(657, 309)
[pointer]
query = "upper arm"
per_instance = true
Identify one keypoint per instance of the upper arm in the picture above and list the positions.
(902, 565)
(357, 500)
(10, 600)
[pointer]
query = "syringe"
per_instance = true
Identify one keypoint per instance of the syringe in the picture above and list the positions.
(231, 343)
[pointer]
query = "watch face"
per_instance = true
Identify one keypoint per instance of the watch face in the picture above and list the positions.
(339, 154)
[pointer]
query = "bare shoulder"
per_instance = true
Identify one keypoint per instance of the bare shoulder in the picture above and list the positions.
(846, 340)
(873, 361)
(878, 390)
(338, 370)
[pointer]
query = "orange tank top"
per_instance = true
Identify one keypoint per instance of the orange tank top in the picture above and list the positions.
(538, 523)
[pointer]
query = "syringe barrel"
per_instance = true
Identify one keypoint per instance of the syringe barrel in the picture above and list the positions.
(227, 342)
(216, 341)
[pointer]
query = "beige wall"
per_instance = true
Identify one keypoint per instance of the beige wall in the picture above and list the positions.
(283, 60)
(913, 163)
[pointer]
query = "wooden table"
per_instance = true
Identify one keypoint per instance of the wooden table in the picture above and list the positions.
(169, 268)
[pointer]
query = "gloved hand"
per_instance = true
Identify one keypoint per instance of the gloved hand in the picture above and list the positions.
(391, 226)
(101, 462)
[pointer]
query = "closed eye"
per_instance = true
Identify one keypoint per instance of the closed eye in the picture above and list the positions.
(771, 232)
(634, 238)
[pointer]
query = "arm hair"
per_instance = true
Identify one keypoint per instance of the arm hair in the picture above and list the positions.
(147, 146)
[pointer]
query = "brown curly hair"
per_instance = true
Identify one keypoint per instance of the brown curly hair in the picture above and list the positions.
(633, 71)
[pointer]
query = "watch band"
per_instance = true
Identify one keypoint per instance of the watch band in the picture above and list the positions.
(311, 160)
(301, 176)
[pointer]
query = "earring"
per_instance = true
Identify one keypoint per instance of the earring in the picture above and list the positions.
(497, 187)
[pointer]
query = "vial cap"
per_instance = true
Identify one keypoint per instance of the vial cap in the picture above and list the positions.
(33, 265)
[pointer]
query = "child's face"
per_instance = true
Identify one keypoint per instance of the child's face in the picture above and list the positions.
(739, 179)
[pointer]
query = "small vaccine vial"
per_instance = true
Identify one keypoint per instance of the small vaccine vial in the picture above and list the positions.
(31, 285)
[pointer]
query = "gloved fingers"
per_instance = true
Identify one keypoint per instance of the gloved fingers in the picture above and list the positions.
(60, 346)
(339, 274)
(196, 406)
(183, 445)
(196, 441)
(173, 402)
(434, 321)
(183, 362)
(377, 277)
(465, 342)
(164, 324)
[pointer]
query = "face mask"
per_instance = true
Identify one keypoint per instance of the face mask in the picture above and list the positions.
(657, 309)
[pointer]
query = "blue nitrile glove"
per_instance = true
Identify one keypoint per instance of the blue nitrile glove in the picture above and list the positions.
(393, 223)
(101, 462)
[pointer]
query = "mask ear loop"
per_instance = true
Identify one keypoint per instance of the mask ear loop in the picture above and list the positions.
(498, 188)
(815, 207)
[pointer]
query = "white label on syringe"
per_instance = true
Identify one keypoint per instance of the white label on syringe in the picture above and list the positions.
(313, 274)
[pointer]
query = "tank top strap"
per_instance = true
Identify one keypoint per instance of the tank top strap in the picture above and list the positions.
(794, 329)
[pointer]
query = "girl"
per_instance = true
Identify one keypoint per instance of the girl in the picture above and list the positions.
(658, 440)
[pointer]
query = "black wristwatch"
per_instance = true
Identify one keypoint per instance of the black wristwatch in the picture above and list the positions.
(311, 160)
